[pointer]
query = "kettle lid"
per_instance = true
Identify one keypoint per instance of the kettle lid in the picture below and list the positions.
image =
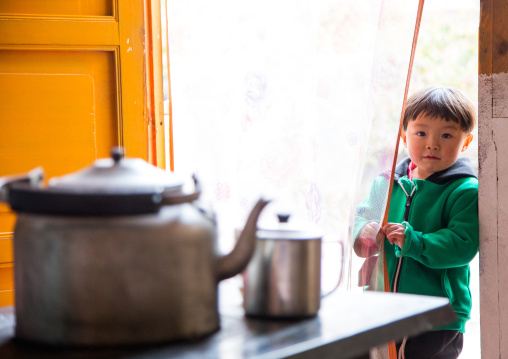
(286, 230)
(111, 186)
(118, 175)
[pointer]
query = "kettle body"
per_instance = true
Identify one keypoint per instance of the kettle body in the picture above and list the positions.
(116, 280)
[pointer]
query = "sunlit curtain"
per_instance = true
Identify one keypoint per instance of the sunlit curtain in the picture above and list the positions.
(296, 101)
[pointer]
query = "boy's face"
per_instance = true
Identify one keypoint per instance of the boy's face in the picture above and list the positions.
(434, 144)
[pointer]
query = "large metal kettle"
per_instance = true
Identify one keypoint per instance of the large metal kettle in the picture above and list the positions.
(116, 253)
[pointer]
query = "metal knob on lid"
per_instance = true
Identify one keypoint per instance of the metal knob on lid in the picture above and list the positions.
(117, 153)
(283, 218)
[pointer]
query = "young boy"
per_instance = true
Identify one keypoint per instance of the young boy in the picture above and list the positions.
(432, 230)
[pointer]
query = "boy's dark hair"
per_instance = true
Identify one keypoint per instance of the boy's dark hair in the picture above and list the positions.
(445, 102)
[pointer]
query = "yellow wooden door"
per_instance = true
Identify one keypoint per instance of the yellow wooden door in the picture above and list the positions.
(73, 83)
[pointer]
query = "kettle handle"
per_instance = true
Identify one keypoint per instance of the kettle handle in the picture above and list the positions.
(33, 178)
(183, 198)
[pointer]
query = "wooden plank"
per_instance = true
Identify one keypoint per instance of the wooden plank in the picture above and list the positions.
(494, 321)
(50, 31)
(487, 199)
(500, 36)
(154, 70)
(6, 248)
(500, 128)
(131, 77)
(6, 297)
(58, 7)
(485, 38)
(488, 195)
(500, 59)
(6, 284)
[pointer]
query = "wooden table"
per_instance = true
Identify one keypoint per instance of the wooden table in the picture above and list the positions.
(347, 325)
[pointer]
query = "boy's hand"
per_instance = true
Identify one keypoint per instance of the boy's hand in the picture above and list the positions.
(369, 240)
(395, 233)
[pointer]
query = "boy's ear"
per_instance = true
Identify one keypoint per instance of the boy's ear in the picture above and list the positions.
(403, 136)
(467, 142)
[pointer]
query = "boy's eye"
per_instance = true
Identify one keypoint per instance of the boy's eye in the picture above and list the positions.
(446, 135)
(420, 133)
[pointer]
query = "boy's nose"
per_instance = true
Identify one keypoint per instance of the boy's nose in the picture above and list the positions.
(432, 145)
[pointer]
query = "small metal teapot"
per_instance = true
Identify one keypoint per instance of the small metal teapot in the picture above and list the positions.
(115, 254)
(283, 278)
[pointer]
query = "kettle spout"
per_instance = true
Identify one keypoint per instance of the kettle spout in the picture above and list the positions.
(236, 261)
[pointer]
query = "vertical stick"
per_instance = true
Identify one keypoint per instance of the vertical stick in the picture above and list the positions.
(392, 351)
(408, 78)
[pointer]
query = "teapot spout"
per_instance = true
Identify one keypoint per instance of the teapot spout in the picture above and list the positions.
(236, 261)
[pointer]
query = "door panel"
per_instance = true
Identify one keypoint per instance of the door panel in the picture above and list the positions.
(42, 106)
(60, 109)
(72, 78)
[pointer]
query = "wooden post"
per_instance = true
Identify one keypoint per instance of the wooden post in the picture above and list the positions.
(493, 176)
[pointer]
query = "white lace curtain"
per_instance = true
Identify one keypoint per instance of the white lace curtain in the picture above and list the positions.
(276, 99)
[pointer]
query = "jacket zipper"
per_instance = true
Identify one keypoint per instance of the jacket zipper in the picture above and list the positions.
(409, 199)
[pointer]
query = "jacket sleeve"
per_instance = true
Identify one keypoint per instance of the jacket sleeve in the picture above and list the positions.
(371, 209)
(453, 246)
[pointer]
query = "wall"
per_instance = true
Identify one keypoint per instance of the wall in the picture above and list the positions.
(493, 175)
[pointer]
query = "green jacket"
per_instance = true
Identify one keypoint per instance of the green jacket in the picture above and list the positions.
(441, 233)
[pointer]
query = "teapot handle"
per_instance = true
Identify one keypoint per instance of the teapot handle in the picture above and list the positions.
(33, 178)
(339, 281)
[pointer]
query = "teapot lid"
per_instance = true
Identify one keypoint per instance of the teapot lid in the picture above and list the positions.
(286, 230)
(118, 175)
